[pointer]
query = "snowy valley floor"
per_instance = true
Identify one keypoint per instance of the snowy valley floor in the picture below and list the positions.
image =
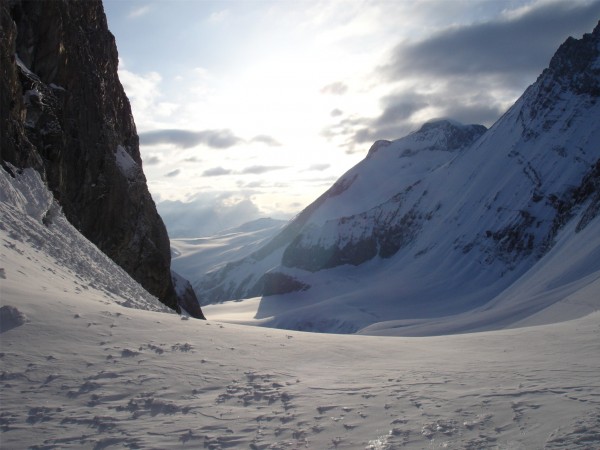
(85, 372)
(79, 369)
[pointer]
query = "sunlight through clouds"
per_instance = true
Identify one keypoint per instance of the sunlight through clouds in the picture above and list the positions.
(217, 91)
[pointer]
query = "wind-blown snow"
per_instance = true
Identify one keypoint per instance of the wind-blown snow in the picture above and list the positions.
(80, 370)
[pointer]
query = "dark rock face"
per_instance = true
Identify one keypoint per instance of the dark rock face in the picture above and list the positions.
(187, 299)
(65, 113)
(391, 226)
(454, 137)
(276, 283)
(572, 66)
(573, 73)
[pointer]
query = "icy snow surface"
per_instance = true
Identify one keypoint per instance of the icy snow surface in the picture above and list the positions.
(84, 371)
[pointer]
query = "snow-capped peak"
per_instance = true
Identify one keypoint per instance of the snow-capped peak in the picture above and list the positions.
(443, 220)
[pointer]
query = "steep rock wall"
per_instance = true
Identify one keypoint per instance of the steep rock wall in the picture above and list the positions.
(65, 113)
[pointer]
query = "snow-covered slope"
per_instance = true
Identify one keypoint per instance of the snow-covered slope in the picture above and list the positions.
(52, 254)
(81, 370)
(449, 219)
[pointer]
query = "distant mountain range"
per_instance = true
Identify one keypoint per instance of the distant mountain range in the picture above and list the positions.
(448, 219)
(194, 256)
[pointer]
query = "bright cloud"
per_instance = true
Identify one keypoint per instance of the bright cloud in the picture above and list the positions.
(283, 97)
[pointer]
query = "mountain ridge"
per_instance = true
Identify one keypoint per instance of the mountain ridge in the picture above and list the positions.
(479, 218)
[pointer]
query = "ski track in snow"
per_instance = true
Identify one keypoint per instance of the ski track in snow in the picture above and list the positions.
(81, 370)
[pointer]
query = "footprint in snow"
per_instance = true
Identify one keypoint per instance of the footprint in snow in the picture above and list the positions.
(126, 353)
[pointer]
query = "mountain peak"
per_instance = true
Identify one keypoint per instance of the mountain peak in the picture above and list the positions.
(416, 231)
(447, 134)
(441, 123)
(576, 64)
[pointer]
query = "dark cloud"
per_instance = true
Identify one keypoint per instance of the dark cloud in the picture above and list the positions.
(396, 119)
(173, 173)
(392, 123)
(192, 159)
(216, 172)
(468, 73)
(186, 139)
(257, 170)
(319, 167)
(521, 45)
(336, 88)
(265, 139)
(398, 108)
(345, 126)
(151, 160)
(476, 112)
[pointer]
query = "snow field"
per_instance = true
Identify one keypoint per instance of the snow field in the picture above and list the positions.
(85, 374)
(81, 370)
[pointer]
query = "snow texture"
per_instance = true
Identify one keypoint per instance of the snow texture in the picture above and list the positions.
(128, 167)
(32, 219)
(84, 371)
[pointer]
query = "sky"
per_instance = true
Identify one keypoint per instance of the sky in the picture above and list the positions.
(253, 108)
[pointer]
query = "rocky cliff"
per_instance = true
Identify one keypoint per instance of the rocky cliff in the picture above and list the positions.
(65, 113)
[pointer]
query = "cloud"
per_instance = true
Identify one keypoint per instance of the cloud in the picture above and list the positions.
(520, 44)
(207, 213)
(471, 73)
(336, 88)
(216, 172)
(336, 112)
(399, 107)
(319, 167)
(186, 139)
(142, 90)
(173, 173)
(253, 184)
(473, 109)
(218, 16)
(265, 139)
(394, 121)
(257, 170)
(151, 160)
